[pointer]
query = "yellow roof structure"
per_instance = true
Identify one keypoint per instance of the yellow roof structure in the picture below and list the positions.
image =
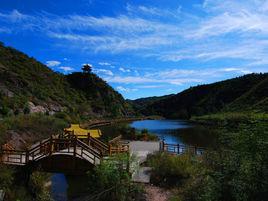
(83, 133)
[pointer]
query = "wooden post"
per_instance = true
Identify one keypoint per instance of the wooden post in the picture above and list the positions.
(110, 149)
(75, 139)
(161, 148)
(27, 156)
(88, 138)
(51, 146)
(178, 148)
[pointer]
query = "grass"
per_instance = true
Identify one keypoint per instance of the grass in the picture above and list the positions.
(171, 170)
(37, 126)
(231, 118)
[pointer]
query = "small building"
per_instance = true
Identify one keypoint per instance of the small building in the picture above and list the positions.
(83, 133)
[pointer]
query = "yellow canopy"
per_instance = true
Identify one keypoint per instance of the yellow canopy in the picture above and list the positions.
(83, 133)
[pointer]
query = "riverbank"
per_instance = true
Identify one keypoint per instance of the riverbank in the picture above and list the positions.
(230, 118)
(104, 122)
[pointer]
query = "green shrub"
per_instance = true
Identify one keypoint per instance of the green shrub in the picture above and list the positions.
(239, 173)
(6, 178)
(111, 180)
(171, 170)
(37, 186)
(38, 125)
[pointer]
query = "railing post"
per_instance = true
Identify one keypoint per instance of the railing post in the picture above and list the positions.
(161, 145)
(27, 156)
(88, 138)
(51, 145)
(75, 140)
(178, 148)
(110, 149)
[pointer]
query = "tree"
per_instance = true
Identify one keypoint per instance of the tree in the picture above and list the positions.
(87, 68)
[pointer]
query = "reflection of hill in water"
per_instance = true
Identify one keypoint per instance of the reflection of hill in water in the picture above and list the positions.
(172, 131)
(198, 136)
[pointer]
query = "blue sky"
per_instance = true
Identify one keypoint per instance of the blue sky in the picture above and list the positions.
(143, 47)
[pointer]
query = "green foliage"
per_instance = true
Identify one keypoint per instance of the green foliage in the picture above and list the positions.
(128, 133)
(169, 170)
(231, 119)
(38, 125)
(239, 172)
(37, 186)
(6, 178)
(111, 180)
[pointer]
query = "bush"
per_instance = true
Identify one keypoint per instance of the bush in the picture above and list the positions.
(171, 170)
(6, 178)
(239, 173)
(38, 125)
(111, 181)
(37, 186)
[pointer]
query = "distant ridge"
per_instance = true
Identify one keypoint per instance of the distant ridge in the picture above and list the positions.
(245, 93)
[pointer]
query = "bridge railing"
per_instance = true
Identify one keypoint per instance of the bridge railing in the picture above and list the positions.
(13, 157)
(99, 145)
(180, 148)
(116, 149)
(87, 153)
(104, 149)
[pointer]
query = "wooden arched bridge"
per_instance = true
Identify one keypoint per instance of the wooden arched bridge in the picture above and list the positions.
(61, 152)
(69, 152)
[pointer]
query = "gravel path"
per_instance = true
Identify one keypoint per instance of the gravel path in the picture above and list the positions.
(154, 193)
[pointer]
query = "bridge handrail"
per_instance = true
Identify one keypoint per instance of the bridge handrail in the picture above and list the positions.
(118, 149)
(99, 145)
(180, 148)
(39, 144)
(88, 148)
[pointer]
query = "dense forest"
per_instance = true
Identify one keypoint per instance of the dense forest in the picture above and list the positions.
(27, 85)
(242, 94)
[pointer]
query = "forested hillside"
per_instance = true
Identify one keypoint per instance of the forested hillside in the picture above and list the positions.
(28, 86)
(245, 93)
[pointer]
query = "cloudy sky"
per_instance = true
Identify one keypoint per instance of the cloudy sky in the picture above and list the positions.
(142, 47)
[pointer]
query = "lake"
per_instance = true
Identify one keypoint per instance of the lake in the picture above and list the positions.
(65, 188)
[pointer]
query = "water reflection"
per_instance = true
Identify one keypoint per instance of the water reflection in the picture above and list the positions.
(172, 131)
(59, 187)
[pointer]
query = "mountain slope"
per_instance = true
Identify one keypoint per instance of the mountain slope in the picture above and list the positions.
(27, 85)
(236, 94)
(141, 103)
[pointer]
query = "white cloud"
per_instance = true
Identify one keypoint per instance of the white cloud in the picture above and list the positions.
(4, 30)
(226, 30)
(15, 16)
(53, 63)
(124, 70)
(150, 86)
(104, 64)
(104, 71)
(127, 90)
(66, 68)
(176, 76)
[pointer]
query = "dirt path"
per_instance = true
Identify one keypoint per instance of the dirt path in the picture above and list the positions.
(154, 193)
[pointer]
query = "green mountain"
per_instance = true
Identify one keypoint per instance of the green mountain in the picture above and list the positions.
(245, 93)
(28, 86)
(141, 103)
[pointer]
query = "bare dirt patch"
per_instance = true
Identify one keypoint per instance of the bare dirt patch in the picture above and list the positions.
(154, 193)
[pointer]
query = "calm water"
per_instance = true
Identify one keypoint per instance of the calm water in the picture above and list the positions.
(172, 131)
